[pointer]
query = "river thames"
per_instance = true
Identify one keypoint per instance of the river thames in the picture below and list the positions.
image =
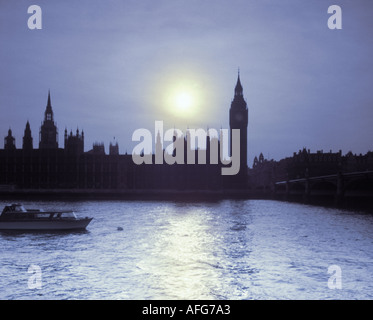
(231, 249)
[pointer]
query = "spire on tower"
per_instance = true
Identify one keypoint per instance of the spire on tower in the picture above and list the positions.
(238, 90)
(48, 114)
(49, 99)
(48, 135)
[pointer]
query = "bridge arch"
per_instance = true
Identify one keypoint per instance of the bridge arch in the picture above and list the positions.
(360, 183)
(323, 185)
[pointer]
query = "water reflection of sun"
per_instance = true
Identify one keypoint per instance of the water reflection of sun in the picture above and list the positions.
(180, 258)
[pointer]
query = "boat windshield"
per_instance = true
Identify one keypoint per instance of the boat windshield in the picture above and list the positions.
(18, 208)
(70, 215)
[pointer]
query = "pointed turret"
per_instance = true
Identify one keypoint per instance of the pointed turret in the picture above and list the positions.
(158, 149)
(9, 141)
(27, 138)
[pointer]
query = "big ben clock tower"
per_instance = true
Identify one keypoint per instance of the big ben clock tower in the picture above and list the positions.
(238, 119)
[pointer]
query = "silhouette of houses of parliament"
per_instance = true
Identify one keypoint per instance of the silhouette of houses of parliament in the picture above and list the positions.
(52, 167)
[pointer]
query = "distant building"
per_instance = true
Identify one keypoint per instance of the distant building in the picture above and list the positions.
(306, 164)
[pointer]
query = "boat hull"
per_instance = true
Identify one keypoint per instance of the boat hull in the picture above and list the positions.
(45, 224)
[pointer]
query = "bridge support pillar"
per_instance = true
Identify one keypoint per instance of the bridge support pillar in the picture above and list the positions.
(287, 190)
(306, 196)
(340, 189)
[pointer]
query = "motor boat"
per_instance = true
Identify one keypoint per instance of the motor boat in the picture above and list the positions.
(16, 217)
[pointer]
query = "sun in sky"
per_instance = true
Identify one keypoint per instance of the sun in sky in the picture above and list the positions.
(182, 98)
(183, 102)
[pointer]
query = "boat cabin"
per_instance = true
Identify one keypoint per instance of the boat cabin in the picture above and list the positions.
(13, 211)
(17, 211)
(15, 208)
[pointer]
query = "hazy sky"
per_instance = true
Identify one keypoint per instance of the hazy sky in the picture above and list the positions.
(112, 67)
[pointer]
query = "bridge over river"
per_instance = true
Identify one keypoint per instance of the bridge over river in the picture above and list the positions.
(354, 188)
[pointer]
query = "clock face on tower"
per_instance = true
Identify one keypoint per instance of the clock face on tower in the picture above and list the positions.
(238, 117)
